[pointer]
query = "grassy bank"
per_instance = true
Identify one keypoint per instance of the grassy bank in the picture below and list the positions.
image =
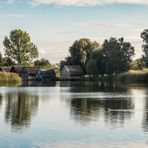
(9, 78)
(133, 76)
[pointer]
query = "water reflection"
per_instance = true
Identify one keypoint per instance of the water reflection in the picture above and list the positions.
(84, 109)
(20, 108)
(39, 83)
(110, 114)
(106, 104)
(92, 86)
(1, 99)
(113, 111)
(117, 111)
(145, 114)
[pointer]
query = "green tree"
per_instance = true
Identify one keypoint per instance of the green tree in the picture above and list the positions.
(137, 64)
(92, 68)
(19, 48)
(1, 60)
(43, 63)
(117, 55)
(144, 36)
(80, 52)
(7, 61)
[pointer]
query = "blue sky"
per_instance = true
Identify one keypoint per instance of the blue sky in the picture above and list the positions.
(54, 24)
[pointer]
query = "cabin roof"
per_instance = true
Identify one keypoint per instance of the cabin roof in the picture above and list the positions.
(5, 69)
(32, 70)
(17, 68)
(74, 70)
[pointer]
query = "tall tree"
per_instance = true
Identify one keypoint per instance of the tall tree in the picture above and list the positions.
(80, 52)
(144, 36)
(1, 60)
(19, 48)
(117, 55)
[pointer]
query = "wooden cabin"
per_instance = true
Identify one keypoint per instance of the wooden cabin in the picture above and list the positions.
(29, 73)
(48, 75)
(73, 72)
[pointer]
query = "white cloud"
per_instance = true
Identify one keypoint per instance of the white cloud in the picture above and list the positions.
(87, 2)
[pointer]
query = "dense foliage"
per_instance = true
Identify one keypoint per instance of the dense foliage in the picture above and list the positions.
(43, 63)
(19, 48)
(6, 61)
(117, 55)
(144, 36)
(137, 64)
(80, 52)
(113, 57)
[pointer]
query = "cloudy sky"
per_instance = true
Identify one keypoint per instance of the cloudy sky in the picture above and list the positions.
(54, 24)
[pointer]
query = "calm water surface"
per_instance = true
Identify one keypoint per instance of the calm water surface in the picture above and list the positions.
(74, 115)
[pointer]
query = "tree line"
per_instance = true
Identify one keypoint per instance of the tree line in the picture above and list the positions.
(114, 56)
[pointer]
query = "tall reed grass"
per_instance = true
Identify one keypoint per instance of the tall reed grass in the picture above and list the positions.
(133, 76)
(9, 78)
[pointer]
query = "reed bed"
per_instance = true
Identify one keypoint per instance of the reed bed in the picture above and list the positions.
(9, 78)
(133, 76)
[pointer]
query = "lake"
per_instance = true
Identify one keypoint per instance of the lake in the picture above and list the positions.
(74, 114)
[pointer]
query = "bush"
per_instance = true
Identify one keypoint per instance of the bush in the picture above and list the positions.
(9, 78)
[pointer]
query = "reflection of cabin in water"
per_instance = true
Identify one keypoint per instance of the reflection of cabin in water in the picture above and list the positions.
(73, 72)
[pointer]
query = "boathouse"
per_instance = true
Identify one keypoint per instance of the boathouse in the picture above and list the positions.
(72, 72)
(29, 73)
(48, 75)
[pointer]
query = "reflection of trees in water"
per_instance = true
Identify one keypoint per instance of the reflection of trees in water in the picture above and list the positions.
(116, 111)
(145, 116)
(39, 83)
(92, 86)
(84, 109)
(20, 107)
(1, 99)
(89, 109)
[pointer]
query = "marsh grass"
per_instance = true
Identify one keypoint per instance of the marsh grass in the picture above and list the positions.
(133, 76)
(7, 78)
